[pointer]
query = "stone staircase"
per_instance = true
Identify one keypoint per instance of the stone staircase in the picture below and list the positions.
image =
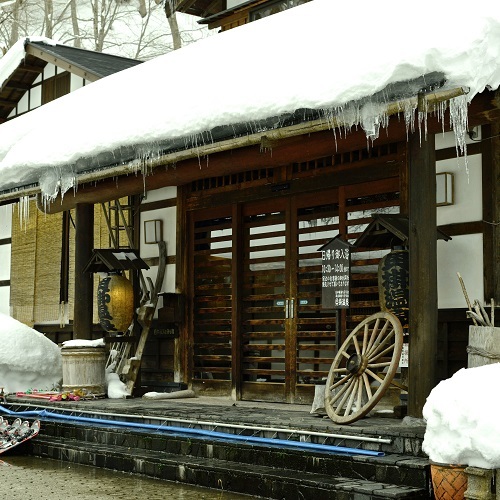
(258, 469)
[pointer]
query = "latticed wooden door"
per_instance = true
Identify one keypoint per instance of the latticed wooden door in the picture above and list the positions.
(259, 329)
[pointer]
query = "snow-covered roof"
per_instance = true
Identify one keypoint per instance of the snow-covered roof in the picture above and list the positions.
(331, 57)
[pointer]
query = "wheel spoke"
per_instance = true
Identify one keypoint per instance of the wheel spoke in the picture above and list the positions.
(341, 381)
(381, 339)
(379, 336)
(359, 401)
(372, 336)
(339, 370)
(356, 345)
(346, 394)
(351, 397)
(385, 351)
(379, 365)
(367, 386)
(375, 376)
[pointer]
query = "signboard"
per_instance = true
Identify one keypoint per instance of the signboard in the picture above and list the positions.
(336, 274)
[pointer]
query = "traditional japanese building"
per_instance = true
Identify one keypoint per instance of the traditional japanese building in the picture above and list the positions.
(244, 206)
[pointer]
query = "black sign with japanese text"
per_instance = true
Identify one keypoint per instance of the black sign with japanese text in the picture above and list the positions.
(336, 274)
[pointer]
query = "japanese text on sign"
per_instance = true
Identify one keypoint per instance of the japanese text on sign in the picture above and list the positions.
(335, 282)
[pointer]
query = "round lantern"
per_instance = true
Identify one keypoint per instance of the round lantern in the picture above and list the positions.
(115, 303)
(394, 284)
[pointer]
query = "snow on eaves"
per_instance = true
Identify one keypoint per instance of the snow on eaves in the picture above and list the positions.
(322, 56)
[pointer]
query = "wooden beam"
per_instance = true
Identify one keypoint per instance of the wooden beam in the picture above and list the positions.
(423, 324)
(17, 85)
(32, 69)
(7, 103)
(61, 63)
(84, 282)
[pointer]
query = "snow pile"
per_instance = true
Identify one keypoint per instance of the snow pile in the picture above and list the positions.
(308, 57)
(83, 343)
(462, 414)
(28, 360)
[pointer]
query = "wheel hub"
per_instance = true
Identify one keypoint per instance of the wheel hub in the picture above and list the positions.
(356, 363)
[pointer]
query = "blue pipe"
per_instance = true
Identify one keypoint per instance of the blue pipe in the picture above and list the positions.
(205, 434)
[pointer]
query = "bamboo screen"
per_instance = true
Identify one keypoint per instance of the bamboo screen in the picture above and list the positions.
(37, 250)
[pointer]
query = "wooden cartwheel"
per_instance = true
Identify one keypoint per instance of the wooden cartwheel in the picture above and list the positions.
(369, 355)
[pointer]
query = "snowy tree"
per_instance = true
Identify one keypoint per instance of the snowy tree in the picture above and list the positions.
(140, 29)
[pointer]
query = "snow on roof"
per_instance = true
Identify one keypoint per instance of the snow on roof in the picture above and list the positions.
(15, 55)
(321, 55)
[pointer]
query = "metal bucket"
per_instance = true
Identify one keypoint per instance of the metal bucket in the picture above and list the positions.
(449, 482)
(84, 368)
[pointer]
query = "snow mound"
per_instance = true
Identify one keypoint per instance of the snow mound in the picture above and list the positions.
(28, 360)
(462, 419)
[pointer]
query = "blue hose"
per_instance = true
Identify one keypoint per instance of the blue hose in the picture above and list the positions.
(205, 434)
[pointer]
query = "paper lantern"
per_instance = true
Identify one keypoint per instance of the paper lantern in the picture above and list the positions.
(115, 303)
(394, 284)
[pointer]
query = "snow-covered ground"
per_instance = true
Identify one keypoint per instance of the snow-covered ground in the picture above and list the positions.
(312, 56)
(462, 414)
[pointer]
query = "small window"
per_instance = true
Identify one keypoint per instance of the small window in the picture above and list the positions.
(55, 87)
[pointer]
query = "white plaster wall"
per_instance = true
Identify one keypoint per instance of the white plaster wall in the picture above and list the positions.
(468, 199)
(76, 82)
(463, 254)
(22, 105)
(49, 71)
(5, 250)
(169, 218)
(36, 97)
(4, 262)
(4, 299)
(234, 3)
(5, 221)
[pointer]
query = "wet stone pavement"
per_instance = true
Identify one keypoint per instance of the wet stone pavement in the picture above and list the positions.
(25, 477)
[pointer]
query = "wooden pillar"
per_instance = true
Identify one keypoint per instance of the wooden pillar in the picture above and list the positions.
(84, 282)
(423, 272)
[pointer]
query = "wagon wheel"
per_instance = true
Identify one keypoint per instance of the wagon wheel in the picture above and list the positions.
(374, 345)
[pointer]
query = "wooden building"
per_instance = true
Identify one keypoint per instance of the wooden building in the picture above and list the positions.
(35, 72)
(241, 314)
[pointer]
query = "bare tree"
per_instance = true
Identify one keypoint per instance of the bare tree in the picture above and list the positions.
(171, 14)
(122, 27)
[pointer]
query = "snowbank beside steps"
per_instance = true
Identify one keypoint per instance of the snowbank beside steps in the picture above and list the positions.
(28, 360)
(462, 414)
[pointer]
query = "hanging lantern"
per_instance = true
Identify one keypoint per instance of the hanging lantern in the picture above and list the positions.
(394, 284)
(115, 303)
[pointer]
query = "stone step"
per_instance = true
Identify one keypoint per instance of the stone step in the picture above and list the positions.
(265, 481)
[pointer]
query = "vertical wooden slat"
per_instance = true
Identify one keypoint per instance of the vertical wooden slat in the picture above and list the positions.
(84, 242)
(423, 271)
(236, 272)
(291, 258)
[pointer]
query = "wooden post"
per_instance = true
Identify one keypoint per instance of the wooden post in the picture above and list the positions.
(84, 282)
(423, 272)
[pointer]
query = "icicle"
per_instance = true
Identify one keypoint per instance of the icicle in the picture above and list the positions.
(373, 116)
(460, 124)
(23, 211)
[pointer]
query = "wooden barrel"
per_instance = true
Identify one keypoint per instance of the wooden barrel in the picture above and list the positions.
(484, 346)
(115, 303)
(84, 368)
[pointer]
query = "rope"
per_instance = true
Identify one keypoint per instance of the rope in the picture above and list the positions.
(482, 352)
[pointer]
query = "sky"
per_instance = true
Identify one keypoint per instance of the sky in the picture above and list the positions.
(307, 57)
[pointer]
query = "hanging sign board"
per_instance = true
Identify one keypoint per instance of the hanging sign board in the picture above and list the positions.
(336, 274)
